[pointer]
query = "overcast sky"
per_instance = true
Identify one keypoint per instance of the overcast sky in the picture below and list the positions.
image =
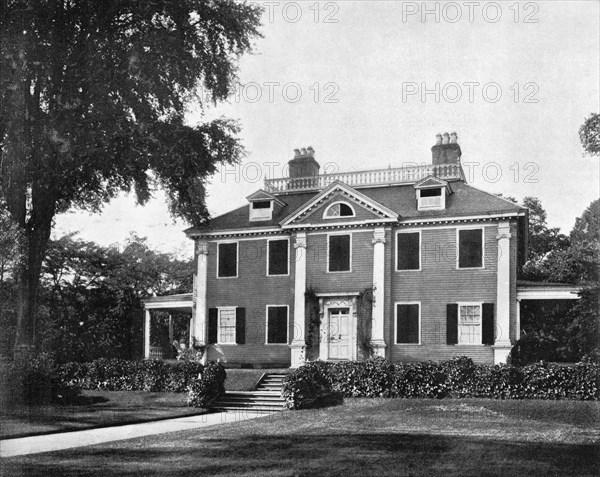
(369, 84)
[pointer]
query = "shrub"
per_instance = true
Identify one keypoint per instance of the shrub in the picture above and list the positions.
(303, 387)
(458, 377)
(208, 386)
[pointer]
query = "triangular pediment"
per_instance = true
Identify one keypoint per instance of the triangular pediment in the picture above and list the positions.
(365, 209)
(430, 182)
(263, 195)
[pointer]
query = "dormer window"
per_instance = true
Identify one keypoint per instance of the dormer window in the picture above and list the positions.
(431, 199)
(262, 206)
(431, 193)
(261, 210)
(339, 209)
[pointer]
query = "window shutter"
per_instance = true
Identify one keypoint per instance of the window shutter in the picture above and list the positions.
(213, 325)
(452, 323)
(240, 325)
(487, 325)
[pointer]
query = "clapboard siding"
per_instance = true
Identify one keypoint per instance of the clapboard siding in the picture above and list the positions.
(356, 280)
(252, 290)
(438, 283)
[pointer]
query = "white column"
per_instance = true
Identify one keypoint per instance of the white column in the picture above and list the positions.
(200, 328)
(298, 345)
(147, 334)
(377, 336)
(502, 344)
(518, 312)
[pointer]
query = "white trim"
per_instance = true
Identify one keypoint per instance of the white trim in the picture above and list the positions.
(464, 218)
(288, 257)
(325, 304)
(442, 204)
(548, 293)
(225, 233)
(396, 322)
(237, 258)
(326, 217)
(470, 227)
(469, 303)
(287, 325)
(339, 271)
(334, 294)
(409, 231)
(353, 230)
(168, 304)
(249, 239)
(226, 308)
(365, 222)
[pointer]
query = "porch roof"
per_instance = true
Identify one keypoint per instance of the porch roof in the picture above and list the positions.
(528, 290)
(182, 301)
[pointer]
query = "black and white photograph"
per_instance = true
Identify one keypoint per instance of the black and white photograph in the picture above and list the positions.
(299, 238)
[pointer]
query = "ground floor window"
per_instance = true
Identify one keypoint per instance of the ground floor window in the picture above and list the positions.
(227, 325)
(277, 324)
(408, 323)
(469, 324)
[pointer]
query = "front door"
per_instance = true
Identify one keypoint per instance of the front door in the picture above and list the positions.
(339, 333)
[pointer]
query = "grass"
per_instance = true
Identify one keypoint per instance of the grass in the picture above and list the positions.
(362, 436)
(94, 409)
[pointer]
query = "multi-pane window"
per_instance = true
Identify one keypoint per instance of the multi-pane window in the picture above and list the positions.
(408, 252)
(227, 325)
(278, 262)
(261, 210)
(431, 198)
(469, 324)
(339, 209)
(277, 324)
(470, 248)
(339, 253)
(227, 266)
(407, 323)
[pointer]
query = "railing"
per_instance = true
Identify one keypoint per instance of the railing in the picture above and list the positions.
(358, 179)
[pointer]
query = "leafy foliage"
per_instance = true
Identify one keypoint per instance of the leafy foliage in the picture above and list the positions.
(458, 377)
(91, 299)
(208, 386)
(93, 98)
(589, 134)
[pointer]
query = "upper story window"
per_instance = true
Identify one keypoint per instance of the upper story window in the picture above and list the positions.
(431, 199)
(339, 209)
(408, 253)
(278, 257)
(227, 258)
(470, 248)
(261, 210)
(339, 253)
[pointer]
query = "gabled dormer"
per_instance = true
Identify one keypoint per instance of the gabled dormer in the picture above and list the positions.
(431, 193)
(262, 205)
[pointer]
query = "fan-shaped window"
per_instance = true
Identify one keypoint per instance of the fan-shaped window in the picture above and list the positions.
(339, 209)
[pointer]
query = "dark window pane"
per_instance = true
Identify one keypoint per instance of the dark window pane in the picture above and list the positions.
(277, 324)
(263, 204)
(227, 259)
(407, 325)
(470, 248)
(408, 251)
(346, 210)
(278, 257)
(431, 192)
(339, 253)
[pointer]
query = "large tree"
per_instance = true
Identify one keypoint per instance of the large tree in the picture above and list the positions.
(589, 134)
(93, 96)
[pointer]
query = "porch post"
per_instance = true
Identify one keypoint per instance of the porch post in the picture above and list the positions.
(199, 328)
(298, 345)
(377, 336)
(518, 333)
(502, 342)
(146, 333)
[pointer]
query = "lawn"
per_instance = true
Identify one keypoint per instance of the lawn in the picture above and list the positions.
(94, 409)
(360, 437)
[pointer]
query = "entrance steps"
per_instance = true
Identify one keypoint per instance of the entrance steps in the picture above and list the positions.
(266, 397)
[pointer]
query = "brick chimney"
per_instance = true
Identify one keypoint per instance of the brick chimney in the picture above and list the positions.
(446, 149)
(304, 164)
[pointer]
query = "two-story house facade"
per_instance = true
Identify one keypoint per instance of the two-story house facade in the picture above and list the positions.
(437, 256)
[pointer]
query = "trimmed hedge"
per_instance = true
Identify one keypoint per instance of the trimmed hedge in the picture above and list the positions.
(455, 378)
(209, 385)
(124, 375)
